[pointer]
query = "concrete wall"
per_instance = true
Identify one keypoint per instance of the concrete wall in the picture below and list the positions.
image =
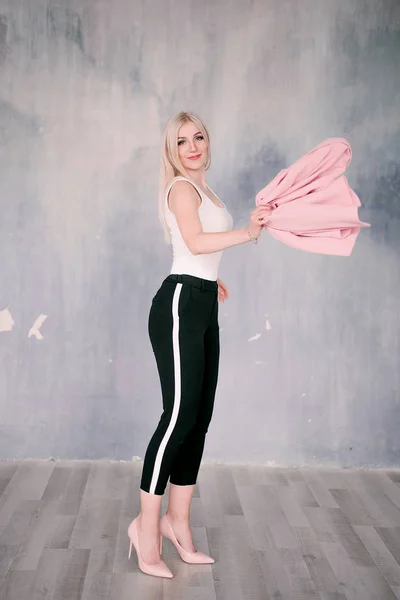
(85, 89)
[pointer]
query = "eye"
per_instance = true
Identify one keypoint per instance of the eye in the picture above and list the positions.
(200, 137)
(181, 142)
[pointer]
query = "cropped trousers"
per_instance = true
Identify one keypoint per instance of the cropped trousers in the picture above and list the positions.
(184, 334)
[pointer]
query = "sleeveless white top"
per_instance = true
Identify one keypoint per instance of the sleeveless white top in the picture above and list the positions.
(213, 218)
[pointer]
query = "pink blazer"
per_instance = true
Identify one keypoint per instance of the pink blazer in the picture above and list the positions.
(314, 207)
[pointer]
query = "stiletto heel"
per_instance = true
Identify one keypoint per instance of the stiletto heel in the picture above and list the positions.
(130, 550)
(193, 558)
(158, 570)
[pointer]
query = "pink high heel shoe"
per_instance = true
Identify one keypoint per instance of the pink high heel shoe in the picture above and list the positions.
(158, 570)
(193, 558)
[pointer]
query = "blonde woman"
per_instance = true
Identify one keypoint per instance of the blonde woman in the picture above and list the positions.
(184, 333)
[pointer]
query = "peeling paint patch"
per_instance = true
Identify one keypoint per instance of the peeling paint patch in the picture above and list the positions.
(35, 329)
(255, 337)
(6, 320)
(267, 325)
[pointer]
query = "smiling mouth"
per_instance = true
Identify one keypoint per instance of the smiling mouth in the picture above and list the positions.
(194, 157)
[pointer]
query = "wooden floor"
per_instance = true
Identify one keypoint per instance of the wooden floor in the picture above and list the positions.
(275, 534)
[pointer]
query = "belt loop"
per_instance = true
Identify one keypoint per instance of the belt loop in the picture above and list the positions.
(180, 278)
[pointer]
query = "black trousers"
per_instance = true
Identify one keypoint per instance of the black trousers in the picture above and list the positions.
(184, 333)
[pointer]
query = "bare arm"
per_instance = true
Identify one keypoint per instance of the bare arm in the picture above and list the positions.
(184, 202)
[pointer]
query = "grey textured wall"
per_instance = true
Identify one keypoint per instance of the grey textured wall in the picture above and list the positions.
(85, 89)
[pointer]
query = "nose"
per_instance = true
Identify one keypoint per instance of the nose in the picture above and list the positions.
(193, 146)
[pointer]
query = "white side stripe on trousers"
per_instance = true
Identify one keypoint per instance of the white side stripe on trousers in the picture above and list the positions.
(177, 392)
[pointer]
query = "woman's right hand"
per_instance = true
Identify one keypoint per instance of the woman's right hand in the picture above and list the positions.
(258, 218)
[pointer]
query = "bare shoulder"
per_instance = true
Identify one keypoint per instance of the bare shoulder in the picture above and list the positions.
(183, 192)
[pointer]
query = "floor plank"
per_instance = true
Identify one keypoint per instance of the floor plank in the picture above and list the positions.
(380, 554)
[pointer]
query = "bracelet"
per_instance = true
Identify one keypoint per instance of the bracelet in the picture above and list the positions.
(253, 239)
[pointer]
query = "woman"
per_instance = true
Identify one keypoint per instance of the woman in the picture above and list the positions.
(184, 333)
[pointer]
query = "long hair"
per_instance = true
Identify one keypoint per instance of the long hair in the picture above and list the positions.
(171, 165)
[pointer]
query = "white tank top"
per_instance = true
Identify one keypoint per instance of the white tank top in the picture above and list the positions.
(213, 218)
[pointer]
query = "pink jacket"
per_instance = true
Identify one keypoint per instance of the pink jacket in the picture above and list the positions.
(314, 207)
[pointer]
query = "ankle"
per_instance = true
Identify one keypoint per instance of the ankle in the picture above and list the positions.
(148, 521)
(174, 517)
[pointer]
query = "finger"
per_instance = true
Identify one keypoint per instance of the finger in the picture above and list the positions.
(262, 219)
(259, 211)
(262, 213)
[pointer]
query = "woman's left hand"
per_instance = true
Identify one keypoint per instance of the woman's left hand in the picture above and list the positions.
(223, 293)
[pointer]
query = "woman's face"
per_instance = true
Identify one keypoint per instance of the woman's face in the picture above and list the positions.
(192, 147)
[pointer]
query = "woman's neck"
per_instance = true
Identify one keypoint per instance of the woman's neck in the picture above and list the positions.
(199, 177)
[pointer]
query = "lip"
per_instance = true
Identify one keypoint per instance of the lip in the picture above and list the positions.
(194, 157)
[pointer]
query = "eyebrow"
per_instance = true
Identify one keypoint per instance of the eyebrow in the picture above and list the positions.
(183, 138)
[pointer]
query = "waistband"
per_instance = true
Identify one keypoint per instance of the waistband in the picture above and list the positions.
(203, 284)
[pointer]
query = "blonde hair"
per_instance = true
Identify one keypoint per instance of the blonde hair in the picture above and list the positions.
(171, 165)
